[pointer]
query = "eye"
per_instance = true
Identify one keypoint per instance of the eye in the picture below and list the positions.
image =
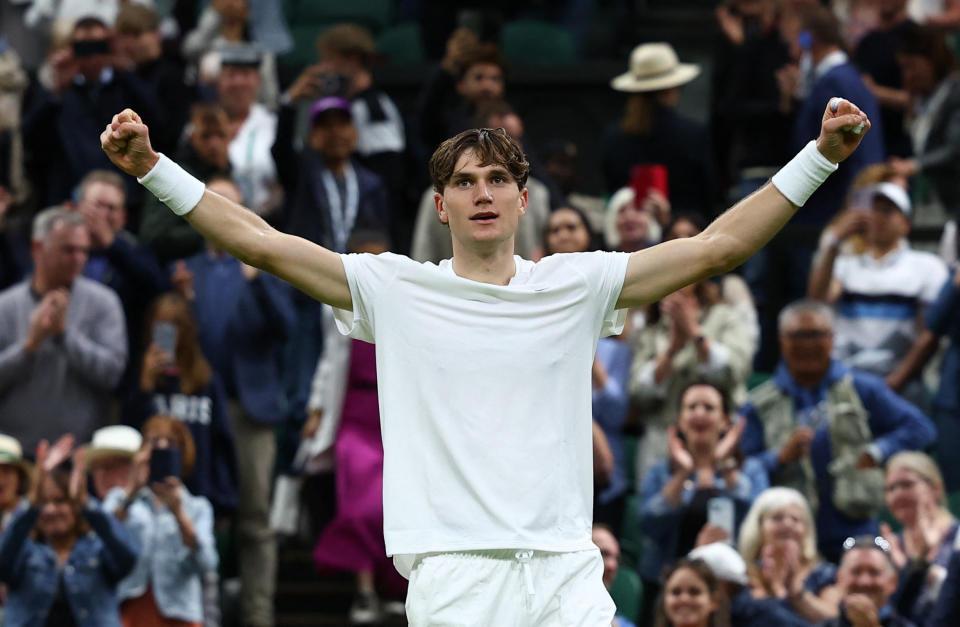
(498, 179)
(463, 183)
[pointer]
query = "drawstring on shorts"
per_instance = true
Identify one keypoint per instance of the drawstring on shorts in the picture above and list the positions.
(523, 558)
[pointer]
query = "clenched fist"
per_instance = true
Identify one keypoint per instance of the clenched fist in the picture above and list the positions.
(126, 140)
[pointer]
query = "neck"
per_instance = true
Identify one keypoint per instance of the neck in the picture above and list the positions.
(821, 53)
(892, 19)
(238, 115)
(39, 284)
(495, 265)
(62, 544)
(630, 247)
(336, 165)
(232, 31)
(702, 453)
(879, 250)
(808, 380)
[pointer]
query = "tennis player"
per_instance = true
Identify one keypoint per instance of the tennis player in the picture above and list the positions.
(484, 363)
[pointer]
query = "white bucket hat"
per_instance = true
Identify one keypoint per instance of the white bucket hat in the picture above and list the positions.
(654, 67)
(119, 440)
(11, 453)
(723, 560)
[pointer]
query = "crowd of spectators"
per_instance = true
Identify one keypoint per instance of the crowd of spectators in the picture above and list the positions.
(772, 446)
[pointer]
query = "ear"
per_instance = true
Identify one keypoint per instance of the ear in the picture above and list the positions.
(524, 199)
(441, 208)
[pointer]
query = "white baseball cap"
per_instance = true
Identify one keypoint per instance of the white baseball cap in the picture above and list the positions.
(895, 194)
(723, 560)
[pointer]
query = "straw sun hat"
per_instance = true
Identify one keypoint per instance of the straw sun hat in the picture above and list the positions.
(654, 67)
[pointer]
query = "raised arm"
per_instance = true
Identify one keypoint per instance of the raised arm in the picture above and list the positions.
(231, 227)
(654, 272)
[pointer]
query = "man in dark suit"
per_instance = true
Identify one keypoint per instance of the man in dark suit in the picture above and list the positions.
(58, 127)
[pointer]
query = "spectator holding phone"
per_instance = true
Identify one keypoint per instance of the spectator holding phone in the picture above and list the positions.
(705, 465)
(62, 556)
(176, 380)
(173, 527)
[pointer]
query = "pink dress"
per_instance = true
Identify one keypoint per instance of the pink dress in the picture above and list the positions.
(354, 538)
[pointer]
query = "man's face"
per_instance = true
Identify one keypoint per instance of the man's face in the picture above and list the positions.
(139, 47)
(867, 571)
(806, 342)
(91, 66)
(61, 258)
(888, 224)
(209, 140)
(917, 73)
(481, 204)
(112, 471)
(9, 486)
(237, 87)
(481, 82)
(109, 201)
(334, 135)
(610, 552)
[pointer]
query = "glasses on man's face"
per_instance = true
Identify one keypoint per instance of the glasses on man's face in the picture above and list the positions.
(866, 542)
(808, 334)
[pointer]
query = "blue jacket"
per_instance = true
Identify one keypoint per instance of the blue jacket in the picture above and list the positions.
(896, 426)
(98, 561)
(946, 611)
(243, 327)
(173, 572)
(943, 318)
(660, 521)
(843, 81)
(610, 407)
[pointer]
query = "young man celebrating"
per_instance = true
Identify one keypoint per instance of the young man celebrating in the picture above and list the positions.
(484, 364)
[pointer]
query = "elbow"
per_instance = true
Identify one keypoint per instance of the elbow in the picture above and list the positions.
(722, 254)
(257, 252)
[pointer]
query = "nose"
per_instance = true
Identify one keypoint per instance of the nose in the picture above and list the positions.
(482, 193)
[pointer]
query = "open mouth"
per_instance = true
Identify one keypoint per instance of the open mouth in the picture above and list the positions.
(484, 217)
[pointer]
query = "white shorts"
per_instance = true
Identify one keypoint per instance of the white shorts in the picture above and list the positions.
(509, 588)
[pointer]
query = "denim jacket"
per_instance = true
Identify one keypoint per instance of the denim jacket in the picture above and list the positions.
(173, 571)
(96, 563)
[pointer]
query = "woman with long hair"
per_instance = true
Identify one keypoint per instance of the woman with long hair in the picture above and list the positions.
(690, 597)
(704, 463)
(62, 556)
(922, 550)
(778, 541)
(176, 380)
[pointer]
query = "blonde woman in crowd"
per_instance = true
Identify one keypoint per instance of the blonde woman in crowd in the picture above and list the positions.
(922, 550)
(778, 541)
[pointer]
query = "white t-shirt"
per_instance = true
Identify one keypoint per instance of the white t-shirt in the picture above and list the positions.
(877, 311)
(485, 398)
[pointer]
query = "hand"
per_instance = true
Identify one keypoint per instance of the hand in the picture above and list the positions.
(59, 303)
(730, 24)
(903, 167)
(860, 611)
(168, 491)
(897, 555)
(41, 324)
(730, 439)
(657, 205)
(797, 446)
(182, 280)
(710, 534)
(688, 314)
(835, 143)
(679, 455)
(47, 458)
(101, 233)
(307, 85)
(788, 77)
(849, 222)
(312, 424)
(866, 461)
(598, 374)
(126, 140)
(140, 473)
(155, 362)
(78, 478)
(774, 570)
(926, 536)
(64, 68)
(249, 272)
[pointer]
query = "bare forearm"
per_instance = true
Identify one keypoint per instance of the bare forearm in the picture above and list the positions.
(822, 273)
(748, 226)
(921, 351)
(232, 228)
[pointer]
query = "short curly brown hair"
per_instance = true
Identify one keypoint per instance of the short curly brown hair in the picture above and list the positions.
(490, 145)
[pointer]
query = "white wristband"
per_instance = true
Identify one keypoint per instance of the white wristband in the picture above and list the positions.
(173, 186)
(803, 174)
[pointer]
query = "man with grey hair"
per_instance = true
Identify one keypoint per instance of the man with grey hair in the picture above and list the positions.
(63, 343)
(826, 429)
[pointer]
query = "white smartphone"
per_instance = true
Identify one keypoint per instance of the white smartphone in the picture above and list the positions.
(720, 513)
